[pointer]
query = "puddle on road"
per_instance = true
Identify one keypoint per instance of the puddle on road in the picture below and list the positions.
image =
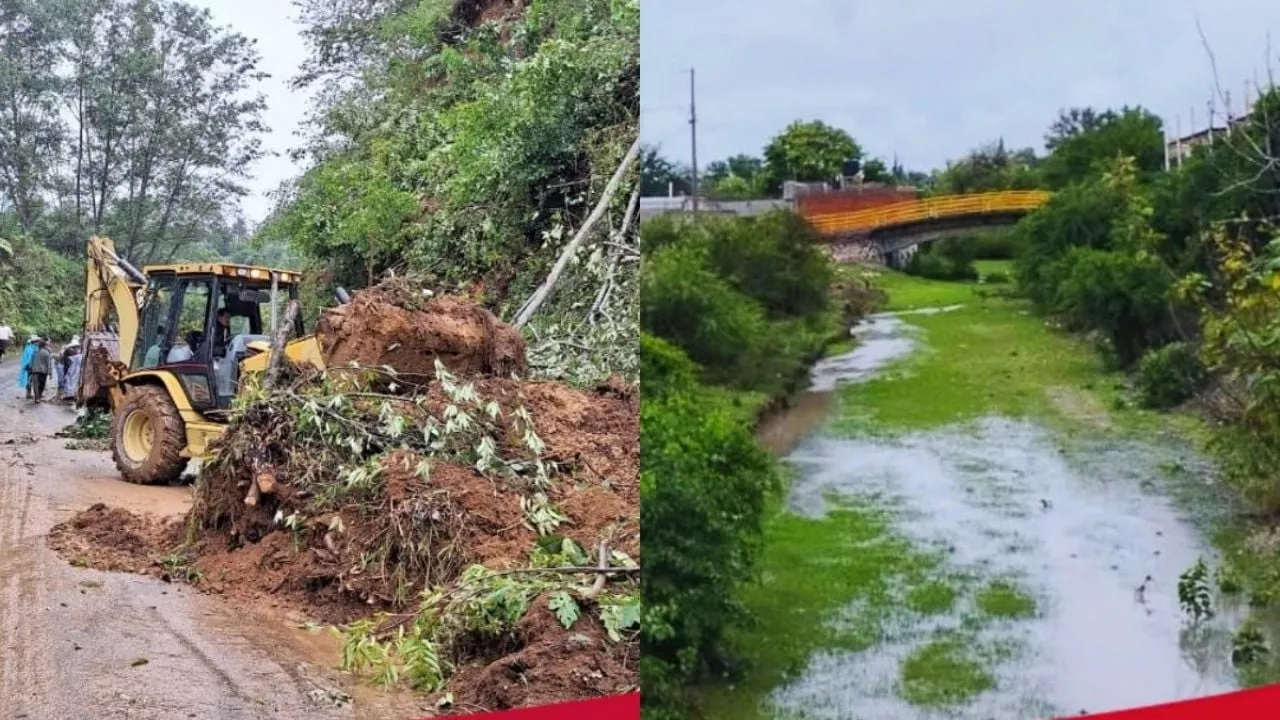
(1079, 528)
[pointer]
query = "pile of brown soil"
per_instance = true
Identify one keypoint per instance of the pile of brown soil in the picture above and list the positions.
(420, 531)
(116, 540)
(552, 665)
(379, 329)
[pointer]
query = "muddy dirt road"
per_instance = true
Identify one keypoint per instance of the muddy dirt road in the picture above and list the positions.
(127, 646)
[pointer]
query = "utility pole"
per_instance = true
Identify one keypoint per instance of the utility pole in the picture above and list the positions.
(693, 145)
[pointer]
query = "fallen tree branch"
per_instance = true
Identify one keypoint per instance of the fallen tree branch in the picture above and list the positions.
(606, 287)
(598, 585)
(544, 290)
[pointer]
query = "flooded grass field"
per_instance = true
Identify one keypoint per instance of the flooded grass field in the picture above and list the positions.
(977, 528)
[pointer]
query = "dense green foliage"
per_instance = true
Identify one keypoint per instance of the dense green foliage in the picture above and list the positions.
(990, 168)
(1170, 375)
(804, 151)
(732, 309)
(950, 259)
(704, 487)
(137, 119)
(1091, 257)
(475, 142)
(34, 286)
(1082, 138)
(470, 149)
(745, 298)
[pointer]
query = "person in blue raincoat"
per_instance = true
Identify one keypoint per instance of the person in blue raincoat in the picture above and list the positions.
(24, 370)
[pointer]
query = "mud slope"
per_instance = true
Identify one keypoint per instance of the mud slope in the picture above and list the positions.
(127, 646)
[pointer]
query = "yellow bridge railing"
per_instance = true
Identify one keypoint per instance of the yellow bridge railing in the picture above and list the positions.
(912, 211)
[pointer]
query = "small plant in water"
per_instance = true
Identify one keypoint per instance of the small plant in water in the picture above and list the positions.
(1249, 645)
(1229, 580)
(1193, 592)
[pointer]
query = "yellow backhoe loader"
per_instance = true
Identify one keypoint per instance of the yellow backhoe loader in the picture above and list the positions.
(166, 347)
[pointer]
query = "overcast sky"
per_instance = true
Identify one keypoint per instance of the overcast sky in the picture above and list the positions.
(931, 79)
(272, 24)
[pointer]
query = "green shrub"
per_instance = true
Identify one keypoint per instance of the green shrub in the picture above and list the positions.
(41, 292)
(704, 488)
(663, 231)
(774, 259)
(684, 302)
(996, 278)
(1125, 295)
(993, 246)
(944, 260)
(664, 367)
(1170, 375)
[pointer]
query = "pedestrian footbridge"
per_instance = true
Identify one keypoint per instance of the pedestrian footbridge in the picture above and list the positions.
(883, 233)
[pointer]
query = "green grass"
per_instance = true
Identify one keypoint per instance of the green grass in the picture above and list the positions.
(987, 267)
(1003, 599)
(932, 598)
(993, 356)
(943, 673)
(910, 293)
(840, 347)
(810, 570)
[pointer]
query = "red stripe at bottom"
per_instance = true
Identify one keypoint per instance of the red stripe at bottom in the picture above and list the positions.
(1243, 705)
(614, 707)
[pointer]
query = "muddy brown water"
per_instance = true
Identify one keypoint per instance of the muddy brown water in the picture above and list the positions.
(1078, 523)
(76, 641)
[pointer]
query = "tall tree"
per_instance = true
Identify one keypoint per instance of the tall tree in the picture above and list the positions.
(31, 131)
(988, 168)
(1084, 142)
(165, 122)
(809, 151)
(660, 176)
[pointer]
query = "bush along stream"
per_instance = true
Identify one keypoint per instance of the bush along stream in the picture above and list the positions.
(983, 525)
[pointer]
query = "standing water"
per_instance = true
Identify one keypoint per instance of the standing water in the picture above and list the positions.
(1084, 530)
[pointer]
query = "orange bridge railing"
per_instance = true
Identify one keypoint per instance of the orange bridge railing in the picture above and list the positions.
(913, 211)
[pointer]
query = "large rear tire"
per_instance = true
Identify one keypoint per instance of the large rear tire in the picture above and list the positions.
(148, 437)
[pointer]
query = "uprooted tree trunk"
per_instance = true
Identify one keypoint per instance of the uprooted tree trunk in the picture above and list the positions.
(262, 478)
(277, 343)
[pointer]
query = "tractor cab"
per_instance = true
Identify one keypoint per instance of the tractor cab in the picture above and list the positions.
(199, 322)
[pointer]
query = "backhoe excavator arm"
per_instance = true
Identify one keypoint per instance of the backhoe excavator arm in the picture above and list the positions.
(112, 284)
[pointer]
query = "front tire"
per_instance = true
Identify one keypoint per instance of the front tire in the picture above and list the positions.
(148, 437)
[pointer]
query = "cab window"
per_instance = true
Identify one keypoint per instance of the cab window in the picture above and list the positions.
(152, 341)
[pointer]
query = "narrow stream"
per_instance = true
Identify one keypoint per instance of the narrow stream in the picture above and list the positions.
(1078, 524)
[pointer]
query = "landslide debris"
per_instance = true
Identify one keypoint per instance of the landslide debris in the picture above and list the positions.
(391, 325)
(472, 534)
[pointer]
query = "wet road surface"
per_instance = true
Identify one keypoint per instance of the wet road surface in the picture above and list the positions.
(83, 643)
(1079, 525)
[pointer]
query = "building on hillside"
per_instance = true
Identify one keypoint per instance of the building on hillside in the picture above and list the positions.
(652, 206)
(812, 199)
(1178, 149)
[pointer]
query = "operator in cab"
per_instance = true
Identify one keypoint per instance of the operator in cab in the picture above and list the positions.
(221, 333)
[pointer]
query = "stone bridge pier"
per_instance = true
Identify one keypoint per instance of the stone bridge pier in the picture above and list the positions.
(869, 250)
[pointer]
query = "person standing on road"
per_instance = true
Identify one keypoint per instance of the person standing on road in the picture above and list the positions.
(6, 337)
(41, 364)
(73, 374)
(64, 367)
(24, 370)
